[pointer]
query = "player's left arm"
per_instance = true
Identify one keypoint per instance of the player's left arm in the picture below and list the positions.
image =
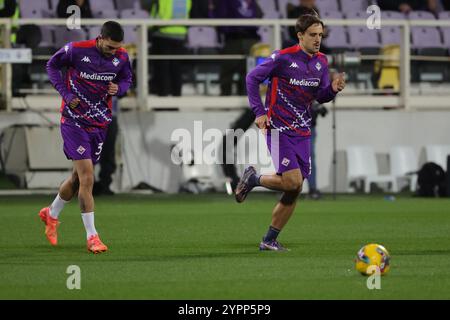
(328, 90)
(122, 82)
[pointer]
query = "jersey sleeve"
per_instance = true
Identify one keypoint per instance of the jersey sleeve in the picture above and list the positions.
(124, 78)
(61, 59)
(260, 73)
(325, 92)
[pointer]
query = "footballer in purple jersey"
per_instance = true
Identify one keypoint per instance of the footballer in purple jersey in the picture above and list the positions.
(297, 76)
(96, 70)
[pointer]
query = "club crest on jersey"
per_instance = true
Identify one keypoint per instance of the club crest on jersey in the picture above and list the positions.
(115, 62)
(81, 150)
(86, 59)
(66, 48)
(318, 66)
(285, 162)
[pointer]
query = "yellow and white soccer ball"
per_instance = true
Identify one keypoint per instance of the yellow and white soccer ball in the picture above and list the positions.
(373, 255)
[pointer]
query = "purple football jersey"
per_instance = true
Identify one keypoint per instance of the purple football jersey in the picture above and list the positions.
(88, 75)
(295, 81)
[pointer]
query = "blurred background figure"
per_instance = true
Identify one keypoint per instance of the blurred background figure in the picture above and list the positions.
(108, 159)
(167, 74)
(316, 110)
(237, 40)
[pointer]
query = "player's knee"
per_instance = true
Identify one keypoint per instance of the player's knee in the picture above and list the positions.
(293, 185)
(86, 180)
(288, 198)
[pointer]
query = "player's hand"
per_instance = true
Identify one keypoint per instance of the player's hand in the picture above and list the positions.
(113, 89)
(262, 122)
(338, 83)
(74, 103)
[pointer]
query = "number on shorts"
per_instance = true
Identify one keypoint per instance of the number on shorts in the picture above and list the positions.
(99, 152)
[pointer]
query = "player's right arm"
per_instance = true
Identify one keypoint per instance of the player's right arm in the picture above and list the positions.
(254, 79)
(61, 59)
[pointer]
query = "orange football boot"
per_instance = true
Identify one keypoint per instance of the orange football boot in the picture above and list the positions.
(51, 225)
(95, 245)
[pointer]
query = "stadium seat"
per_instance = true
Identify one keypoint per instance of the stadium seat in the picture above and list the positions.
(130, 34)
(282, 6)
(47, 36)
(64, 36)
(34, 9)
(425, 37)
(444, 15)
(327, 5)
(390, 35)
(202, 37)
(362, 167)
(361, 37)
(102, 5)
(354, 5)
(331, 15)
(105, 13)
(403, 165)
(127, 4)
(337, 38)
(438, 154)
(269, 9)
(266, 34)
(421, 15)
(392, 15)
(94, 32)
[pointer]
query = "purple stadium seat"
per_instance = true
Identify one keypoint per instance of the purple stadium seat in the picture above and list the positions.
(34, 9)
(282, 5)
(421, 15)
(390, 35)
(446, 33)
(94, 31)
(134, 14)
(269, 9)
(202, 37)
(425, 37)
(102, 5)
(356, 14)
(444, 15)
(327, 5)
(361, 37)
(47, 36)
(354, 5)
(266, 34)
(64, 36)
(331, 15)
(127, 4)
(392, 15)
(105, 13)
(337, 37)
(130, 31)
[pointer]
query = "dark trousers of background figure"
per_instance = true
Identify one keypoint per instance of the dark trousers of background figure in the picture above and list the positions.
(108, 157)
(312, 183)
(231, 67)
(167, 74)
(244, 122)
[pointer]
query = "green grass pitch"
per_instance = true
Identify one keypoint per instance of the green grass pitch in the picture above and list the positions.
(206, 247)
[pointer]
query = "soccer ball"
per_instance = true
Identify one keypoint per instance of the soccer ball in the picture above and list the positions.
(373, 255)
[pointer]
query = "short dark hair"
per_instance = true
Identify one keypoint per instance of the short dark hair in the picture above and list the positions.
(307, 20)
(112, 30)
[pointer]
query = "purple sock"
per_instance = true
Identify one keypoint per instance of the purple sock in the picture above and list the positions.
(254, 180)
(271, 234)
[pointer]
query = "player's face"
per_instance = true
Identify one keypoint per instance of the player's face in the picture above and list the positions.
(108, 47)
(312, 38)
